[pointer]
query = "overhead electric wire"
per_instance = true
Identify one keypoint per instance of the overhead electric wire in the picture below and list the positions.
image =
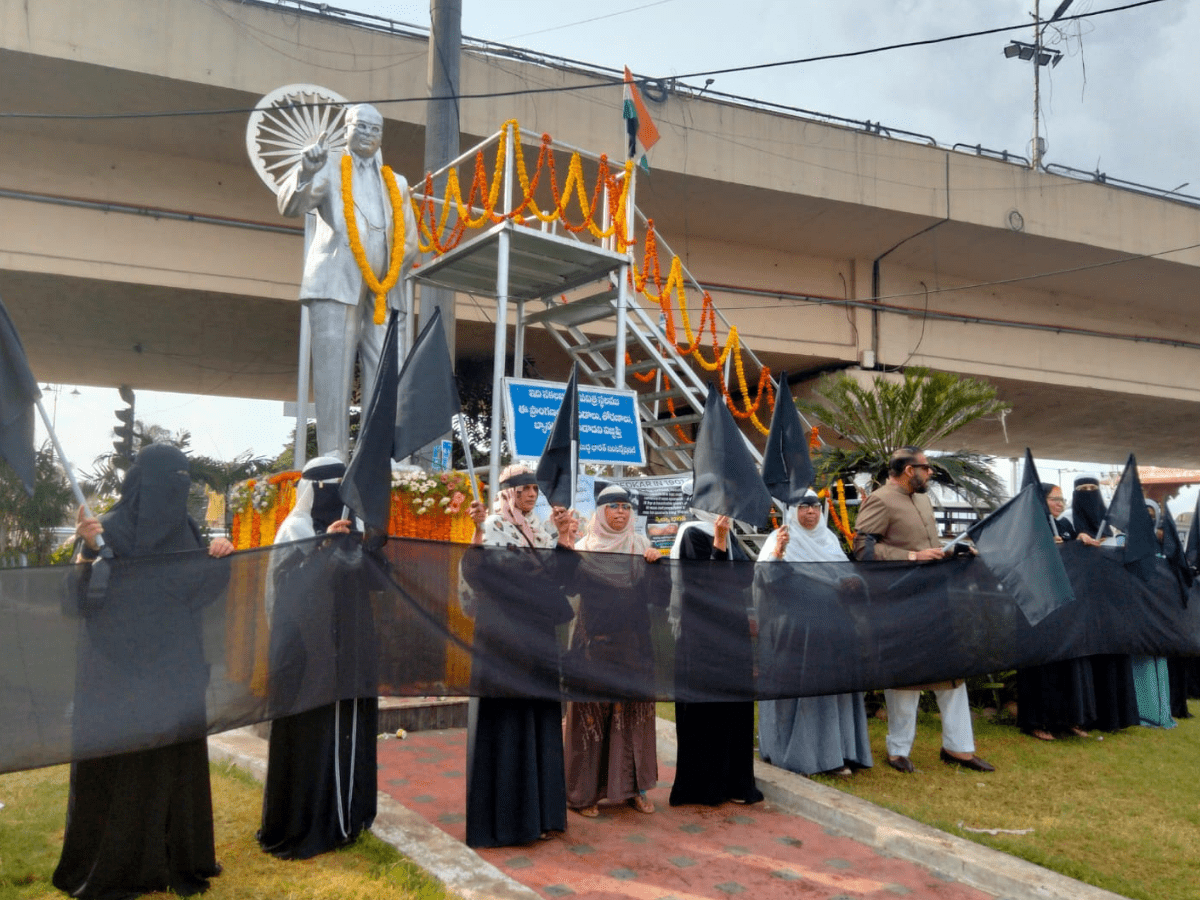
(563, 89)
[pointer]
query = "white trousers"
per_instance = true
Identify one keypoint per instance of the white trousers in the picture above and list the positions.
(958, 736)
(338, 331)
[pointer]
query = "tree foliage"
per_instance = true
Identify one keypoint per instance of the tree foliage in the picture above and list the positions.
(27, 523)
(108, 469)
(920, 410)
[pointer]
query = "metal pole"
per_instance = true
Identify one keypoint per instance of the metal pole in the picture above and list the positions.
(300, 448)
(1035, 155)
(66, 464)
(498, 349)
(441, 130)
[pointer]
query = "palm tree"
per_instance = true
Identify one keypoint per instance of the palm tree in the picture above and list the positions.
(921, 410)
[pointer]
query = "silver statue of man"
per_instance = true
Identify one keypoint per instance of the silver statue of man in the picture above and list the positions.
(341, 305)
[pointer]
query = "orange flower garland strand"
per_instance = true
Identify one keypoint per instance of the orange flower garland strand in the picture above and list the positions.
(666, 292)
(395, 256)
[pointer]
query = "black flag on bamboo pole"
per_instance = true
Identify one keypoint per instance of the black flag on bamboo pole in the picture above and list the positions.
(725, 477)
(367, 485)
(787, 467)
(557, 469)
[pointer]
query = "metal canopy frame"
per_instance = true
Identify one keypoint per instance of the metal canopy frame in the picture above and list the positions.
(515, 264)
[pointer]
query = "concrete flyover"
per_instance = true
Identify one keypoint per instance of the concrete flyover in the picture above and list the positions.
(145, 251)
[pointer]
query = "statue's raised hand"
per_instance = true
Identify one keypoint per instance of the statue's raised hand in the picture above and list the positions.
(313, 157)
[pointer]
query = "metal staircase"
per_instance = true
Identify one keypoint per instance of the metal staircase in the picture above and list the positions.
(535, 269)
(666, 444)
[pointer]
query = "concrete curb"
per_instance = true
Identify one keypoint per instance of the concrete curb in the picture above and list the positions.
(904, 838)
(457, 866)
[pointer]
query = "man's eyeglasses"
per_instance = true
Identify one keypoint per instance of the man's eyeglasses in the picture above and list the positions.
(925, 466)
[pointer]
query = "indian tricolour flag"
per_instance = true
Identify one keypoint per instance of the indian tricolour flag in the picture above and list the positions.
(638, 125)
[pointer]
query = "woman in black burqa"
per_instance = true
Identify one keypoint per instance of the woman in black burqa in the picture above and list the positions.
(141, 821)
(1112, 673)
(1058, 696)
(713, 653)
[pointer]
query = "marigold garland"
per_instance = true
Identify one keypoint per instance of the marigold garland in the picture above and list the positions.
(665, 292)
(395, 256)
(842, 521)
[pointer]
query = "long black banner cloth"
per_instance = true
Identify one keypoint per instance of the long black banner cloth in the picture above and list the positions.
(186, 644)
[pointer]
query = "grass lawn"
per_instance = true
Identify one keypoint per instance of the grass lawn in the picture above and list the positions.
(1119, 811)
(31, 830)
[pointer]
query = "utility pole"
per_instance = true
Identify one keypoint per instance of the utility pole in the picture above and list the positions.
(441, 130)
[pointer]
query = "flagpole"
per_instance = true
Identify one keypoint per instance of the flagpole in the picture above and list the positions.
(87, 510)
(574, 471)
(462, 436)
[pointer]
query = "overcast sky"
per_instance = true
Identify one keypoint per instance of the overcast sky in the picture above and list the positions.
(1122, 101)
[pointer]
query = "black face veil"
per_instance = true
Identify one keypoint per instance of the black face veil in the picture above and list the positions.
(151, 516)
(1087, 508)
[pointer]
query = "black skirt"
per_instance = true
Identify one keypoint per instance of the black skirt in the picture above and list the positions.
(321, 779)
(516, 786)
(137, 823)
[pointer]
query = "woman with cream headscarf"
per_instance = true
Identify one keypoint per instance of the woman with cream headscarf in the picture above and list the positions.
(611, 746)
(809, 734)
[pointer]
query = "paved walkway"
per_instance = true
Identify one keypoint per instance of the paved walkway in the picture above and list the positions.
(757, 851)
(807, 840)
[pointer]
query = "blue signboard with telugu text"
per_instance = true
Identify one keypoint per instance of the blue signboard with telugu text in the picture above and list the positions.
(609, 429)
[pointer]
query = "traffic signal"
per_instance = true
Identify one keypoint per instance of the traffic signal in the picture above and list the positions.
(124, 431)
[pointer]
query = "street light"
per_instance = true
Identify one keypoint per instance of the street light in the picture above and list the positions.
(1041, 56)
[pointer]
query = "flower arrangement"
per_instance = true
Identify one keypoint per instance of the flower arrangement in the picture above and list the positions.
(432, 506)
(426, 492)
(263, 496)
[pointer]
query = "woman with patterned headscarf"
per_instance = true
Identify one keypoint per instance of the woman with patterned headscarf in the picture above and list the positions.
(142, 821)
(611, 746)
(321, 783)
(515, 788)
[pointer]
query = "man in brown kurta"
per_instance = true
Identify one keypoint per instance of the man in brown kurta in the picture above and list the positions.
(896, 523)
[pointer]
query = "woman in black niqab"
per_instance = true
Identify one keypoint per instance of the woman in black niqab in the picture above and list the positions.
(1112, 673)
(140, 822)
(321, 766)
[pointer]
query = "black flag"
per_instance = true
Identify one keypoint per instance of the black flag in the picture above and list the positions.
(1017, 544)
(1127, 514)
(1030, 476)
(725, 477)
(18, 392)
(1172, 550)
(367, 485)
(786, 468)
(556, 468)
(428, 393)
